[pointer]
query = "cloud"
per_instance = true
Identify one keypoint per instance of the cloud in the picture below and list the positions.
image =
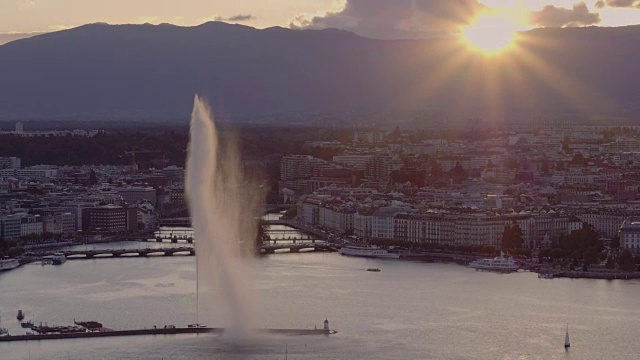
(395, 18)
(618, 3)
(12, 36)
(552, 16)
(26, 5)
(236, 18)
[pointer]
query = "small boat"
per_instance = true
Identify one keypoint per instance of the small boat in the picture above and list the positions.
(566, 339)
(4, 332)
(373, 269)
(27, 324)
(20, 315)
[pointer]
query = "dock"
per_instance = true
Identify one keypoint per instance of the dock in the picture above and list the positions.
(603, 275)
(156, 331)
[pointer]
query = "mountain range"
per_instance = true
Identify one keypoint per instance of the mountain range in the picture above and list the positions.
(143, 71)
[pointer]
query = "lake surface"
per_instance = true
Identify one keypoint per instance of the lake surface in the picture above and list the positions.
(409, 310)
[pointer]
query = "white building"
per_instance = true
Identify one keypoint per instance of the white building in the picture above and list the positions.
(31, 225)
(630, 236)
(133, 195)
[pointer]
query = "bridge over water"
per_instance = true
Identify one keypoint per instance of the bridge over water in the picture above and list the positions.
(270, 248)
(267, 248)
(114, 253)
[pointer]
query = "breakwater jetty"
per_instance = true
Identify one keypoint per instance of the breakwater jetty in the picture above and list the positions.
(156, 331)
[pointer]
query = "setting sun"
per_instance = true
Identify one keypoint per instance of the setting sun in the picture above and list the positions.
(491, 34)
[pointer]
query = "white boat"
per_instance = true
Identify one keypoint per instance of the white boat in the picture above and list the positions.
(566, 338)
(8, 264)
(499, 263)
(4, 332)
(368, 251)
(55, 259)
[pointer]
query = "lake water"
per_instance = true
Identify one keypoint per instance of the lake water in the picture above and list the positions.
(409, 310)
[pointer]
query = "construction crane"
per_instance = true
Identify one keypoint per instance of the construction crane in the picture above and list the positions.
(133, 152)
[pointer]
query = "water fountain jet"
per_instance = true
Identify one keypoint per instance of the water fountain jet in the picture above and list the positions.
(223, 208)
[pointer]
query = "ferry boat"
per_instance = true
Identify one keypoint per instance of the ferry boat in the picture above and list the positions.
(499, 263)
(368, 251)
(55, 259)
(8, 264)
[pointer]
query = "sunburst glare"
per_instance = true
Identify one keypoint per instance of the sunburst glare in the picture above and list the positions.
(491, 34)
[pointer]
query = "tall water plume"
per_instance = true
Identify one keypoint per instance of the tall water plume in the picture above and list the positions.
(223, 207)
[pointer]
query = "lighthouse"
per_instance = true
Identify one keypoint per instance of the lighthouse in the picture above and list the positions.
(326, 325)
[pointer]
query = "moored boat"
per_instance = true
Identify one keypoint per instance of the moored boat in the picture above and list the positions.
(500, 263)
(368, 251)
(55, 259)
(91, 325)
(27, 324)
(8, 264)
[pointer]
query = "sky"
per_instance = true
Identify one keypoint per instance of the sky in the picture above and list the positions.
(385, 19)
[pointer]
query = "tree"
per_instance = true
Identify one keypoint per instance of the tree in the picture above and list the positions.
(615, 242)
(544, 167)
(590, 257)
(506, 237)
(3, 246)
(565, 144)
(436, 171)
(93, 179)
(557, 253)
(512, 237)
(512, 163)
(261, 233)
(580, 240)
(610, 264)
(578, 159)
(626, 262)
(458, 173)
(291, 212)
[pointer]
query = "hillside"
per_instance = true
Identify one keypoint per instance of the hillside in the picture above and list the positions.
(101, 70)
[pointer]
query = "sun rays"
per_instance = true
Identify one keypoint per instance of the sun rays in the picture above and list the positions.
(496, 70)
(491, 34)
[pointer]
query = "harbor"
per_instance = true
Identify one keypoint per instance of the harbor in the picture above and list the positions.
(430, 300)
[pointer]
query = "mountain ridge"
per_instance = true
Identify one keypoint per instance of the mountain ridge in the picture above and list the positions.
(154, 70)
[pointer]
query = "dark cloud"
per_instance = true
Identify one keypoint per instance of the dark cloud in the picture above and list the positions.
(618, 3)
(396, 18)
(236, 18)
(552, 16)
